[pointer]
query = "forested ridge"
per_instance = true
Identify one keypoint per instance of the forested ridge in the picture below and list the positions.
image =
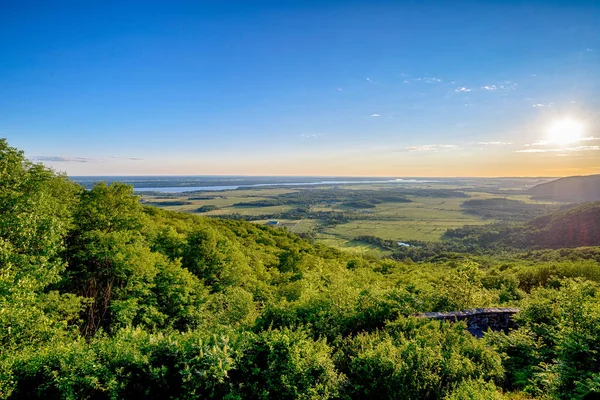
(103, 297)
(573, 189)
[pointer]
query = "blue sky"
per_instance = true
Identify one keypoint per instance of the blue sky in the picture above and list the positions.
(301, 88)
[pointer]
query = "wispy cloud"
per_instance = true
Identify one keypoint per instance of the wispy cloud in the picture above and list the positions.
(375, 115)
(432, 147)
(127, 158)
(569, 149)
(505, 86)
(492, 143)
(540, 105)
(426, 79)
(62, 159)
(68, 159)
(462, 90)
(547, 142)
(310, 135)
(490, 88)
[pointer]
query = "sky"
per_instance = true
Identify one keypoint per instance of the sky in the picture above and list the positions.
(313, 88)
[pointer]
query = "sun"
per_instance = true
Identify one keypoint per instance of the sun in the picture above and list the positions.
(565, 131)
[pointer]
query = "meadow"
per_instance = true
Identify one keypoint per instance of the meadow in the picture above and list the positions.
(426, 213)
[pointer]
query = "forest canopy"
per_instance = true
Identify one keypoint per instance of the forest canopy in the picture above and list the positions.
(104, 297)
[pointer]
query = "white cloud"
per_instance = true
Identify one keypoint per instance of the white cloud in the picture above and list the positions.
(427, 79)
(62, 159)
(547, 142)
(533, 151)
(503, 87)
(69, 159)
(570, 149)
(432, 147)
(540, 105)
(462, 90)
(127, 158)
(375, 115)
(492, 143)
(340, 89)
(310, 135)
(490, 87)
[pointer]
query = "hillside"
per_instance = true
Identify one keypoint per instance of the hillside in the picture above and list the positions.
(102, 297)
(573, 189)
(579, 226)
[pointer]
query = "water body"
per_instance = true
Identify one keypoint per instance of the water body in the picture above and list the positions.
(215, 183)
(258, 185)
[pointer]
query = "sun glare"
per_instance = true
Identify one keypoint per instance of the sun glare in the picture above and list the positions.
(565, 131)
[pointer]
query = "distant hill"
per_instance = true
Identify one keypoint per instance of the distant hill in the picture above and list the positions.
(579, 226)
(574, 189)
(575, 227)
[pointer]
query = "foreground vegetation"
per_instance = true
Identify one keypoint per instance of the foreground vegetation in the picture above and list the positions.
(103, 297)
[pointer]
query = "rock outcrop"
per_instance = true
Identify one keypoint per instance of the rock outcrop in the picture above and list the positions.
(478, 320)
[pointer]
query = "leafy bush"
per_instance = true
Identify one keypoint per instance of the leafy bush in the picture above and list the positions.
(475, 390)
(423, 361)
(287, 364)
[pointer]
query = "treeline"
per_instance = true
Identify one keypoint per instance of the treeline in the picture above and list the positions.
(348, 198)
(167, 203)
(102, 297)
(207, 208)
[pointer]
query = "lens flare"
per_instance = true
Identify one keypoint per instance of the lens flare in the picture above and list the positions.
(565, 131)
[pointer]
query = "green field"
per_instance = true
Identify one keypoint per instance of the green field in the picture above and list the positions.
(425, 218)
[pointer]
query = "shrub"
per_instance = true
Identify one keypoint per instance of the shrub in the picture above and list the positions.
(287, 364)
(423, 361)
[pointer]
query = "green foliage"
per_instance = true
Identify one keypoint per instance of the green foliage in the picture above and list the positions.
(207, 208)
(556, 350)
(103, 297)
(287, 364)
(34, 219)
(462, 289)
(475, 390)
(423, 361)
(131, 364)
(214, 258)
(578, 226)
